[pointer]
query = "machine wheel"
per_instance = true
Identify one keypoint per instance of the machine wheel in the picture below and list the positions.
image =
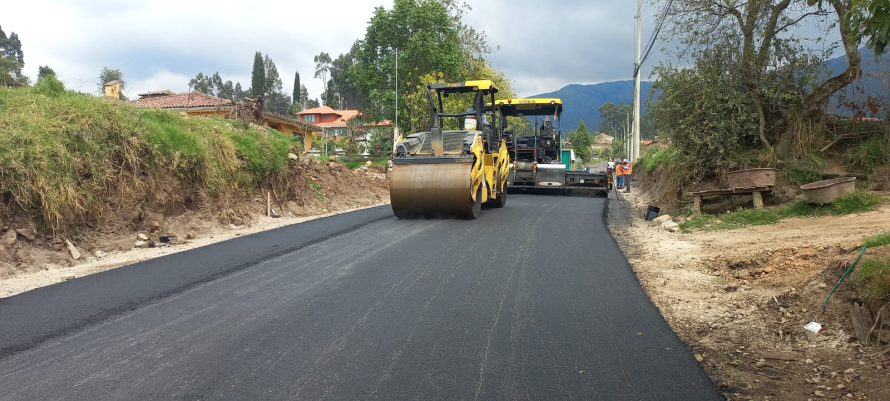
(476, 210)
(501, 200)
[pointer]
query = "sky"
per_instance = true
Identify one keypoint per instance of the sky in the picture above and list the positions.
(161, 44)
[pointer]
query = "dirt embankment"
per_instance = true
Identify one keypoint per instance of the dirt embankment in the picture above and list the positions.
(740, 300)
(30, 258)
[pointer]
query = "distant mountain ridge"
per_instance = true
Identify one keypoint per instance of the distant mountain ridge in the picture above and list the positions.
(583, 101)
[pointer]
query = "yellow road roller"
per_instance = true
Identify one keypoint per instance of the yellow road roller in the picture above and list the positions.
(458, 165)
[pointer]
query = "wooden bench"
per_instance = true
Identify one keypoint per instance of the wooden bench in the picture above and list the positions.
(756, 192)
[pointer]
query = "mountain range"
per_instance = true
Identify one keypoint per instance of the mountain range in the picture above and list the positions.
(582, 102)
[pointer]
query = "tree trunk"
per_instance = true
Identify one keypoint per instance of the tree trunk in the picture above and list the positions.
(815, 102)
(758, 103)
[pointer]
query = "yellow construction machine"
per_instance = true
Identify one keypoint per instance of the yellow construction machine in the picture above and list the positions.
(456, 166)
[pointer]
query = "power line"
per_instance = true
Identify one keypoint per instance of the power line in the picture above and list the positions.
(659, 24)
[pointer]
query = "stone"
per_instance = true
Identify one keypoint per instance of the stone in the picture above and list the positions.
(192, 235)
(670, 226)
(91, 259)
(124, 244)
(662, 219)
(52, 266)
(769, 270)
(699, 358)
(99, 254)
(75, 254)
(809, 361)
(332, 158)
(332, 165)
(823, 285)
(141, 237)
(292, 156)
(10, 237)
(28, 233)
(819, 393)
(141, 244)
(69, 276)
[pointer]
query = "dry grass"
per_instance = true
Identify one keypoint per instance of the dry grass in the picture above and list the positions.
(62, 153)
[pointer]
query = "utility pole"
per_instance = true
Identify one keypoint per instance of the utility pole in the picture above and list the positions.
(636, 131)
(395, 130)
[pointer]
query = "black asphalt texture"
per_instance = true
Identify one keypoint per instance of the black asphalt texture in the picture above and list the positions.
(533, 301)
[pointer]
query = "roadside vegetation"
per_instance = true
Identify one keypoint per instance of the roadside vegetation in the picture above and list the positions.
(857, 202)
(63, 153)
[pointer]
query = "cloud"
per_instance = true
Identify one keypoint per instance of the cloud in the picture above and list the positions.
(151, 39)
(543, 46)
(552, 44)
(163, 79)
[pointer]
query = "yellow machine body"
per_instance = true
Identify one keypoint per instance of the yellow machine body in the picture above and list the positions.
(450, 173)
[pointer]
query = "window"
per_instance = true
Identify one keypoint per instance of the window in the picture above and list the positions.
(309, 118)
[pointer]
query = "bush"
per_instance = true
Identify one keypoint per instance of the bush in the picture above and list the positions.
(868, 155)
(49, 85)
(657, 158)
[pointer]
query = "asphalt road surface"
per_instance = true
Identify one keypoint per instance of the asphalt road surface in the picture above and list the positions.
(533, 301)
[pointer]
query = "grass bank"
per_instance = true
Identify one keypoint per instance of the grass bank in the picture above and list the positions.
(63, 153)
(857, 202)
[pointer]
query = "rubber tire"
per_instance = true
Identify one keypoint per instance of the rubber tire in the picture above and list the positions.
(476, 209)
(500, 201)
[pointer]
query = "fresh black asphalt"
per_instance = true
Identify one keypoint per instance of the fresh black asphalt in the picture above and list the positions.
(533, 301)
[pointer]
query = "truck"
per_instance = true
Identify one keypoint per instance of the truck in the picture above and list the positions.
(540, 161)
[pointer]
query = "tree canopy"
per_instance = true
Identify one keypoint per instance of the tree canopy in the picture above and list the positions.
(107, 75)
(12, 60)
(258, 76)
(581, 142)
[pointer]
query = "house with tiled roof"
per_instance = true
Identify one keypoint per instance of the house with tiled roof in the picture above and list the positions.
(200, 104)
(335, 124)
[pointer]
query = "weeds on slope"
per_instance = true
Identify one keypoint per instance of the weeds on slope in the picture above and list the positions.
(61, 151)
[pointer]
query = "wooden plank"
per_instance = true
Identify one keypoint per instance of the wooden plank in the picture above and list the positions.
(697, 201)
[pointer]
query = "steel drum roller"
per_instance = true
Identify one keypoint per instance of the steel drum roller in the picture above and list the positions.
(433, 190)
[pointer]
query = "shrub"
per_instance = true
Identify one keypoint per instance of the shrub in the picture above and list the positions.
(868, 154)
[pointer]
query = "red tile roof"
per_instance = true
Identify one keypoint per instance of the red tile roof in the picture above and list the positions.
(182, 101)
(318, 110)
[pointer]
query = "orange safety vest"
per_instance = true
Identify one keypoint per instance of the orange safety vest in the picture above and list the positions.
(619, 169)
(629, 170)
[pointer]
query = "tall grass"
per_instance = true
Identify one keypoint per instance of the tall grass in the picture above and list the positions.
(62, 152)
(874, 279)
(868, 154)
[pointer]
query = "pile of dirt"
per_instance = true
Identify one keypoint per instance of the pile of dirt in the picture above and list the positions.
(165, 206)
(740, 299)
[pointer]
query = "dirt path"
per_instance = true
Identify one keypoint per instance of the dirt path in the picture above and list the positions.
(740, 300)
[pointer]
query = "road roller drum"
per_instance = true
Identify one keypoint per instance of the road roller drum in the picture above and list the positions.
(434, 190)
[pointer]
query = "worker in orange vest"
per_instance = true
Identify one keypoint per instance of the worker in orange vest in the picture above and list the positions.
(628, 170)
(619, 172)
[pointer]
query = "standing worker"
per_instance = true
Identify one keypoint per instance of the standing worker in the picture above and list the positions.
(619, 172)
(628, 173)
